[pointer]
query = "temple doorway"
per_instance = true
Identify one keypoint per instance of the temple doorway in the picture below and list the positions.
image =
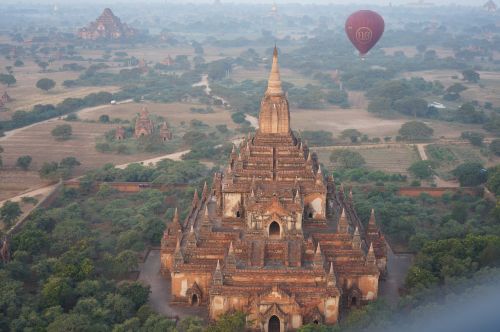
(194, 300)
(274, 230)
(274, 324)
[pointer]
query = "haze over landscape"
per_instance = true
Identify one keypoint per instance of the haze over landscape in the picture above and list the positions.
(269, 166)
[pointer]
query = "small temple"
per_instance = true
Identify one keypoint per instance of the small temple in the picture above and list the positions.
(273, 237)
(107, 26)
(5, 98)
(120, 133)
(144, 126)
(165, 133)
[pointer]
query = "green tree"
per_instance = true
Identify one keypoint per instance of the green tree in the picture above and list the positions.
(422, 169)
(495, 147)
(104, 118)
(18, 63)
(415, 130)
(9, 212)
(49, 171)
(1, 150)
(7, 79)
(473, 137)
(62, 132)
(352, 134)
(45, 84)
(57, 291)
(69, 163)
(125, 262)
(347, 158)
(229, 323)
(416, 107)
(493, 182)
(470, 174)
(471, 75)
(24, 162)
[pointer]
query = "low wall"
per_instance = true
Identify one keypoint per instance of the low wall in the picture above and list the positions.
(439, 192)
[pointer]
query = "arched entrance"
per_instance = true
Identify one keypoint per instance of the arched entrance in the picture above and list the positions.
(274, 324)
(274, 230)
(194, 300)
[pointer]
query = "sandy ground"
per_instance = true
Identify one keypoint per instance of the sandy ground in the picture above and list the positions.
(154, 161)
(160, 296)
(397, 267)
(174, 113)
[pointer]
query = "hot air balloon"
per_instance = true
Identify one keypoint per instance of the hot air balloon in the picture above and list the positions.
(364, 28)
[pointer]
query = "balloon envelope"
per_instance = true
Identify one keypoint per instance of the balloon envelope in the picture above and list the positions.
(364, 28)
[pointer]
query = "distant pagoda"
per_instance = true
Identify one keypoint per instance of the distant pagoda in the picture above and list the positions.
(490, 6)
(107, 26)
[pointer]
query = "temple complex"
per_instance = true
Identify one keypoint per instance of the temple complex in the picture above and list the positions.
(107, 26)
(273, 237)
(143, 124)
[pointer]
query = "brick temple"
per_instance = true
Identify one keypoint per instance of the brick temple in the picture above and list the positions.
(272, 237)
(107, 26)
(144, 126)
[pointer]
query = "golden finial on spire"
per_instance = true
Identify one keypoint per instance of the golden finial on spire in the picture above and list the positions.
(274, 84)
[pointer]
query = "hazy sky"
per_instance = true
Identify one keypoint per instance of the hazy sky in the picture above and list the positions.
(366, 2)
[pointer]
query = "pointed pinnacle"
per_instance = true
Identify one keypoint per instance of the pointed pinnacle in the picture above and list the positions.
(191, 230)
(217, 268)
(176, 216)
(331, 268)
(178, 245)
(372, 218)
(318, 249)
(231, 249)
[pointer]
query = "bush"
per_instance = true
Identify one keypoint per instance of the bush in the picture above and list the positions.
(422, 169)
(347, 158)
(470, 174)
(415, 130)
(474, 138)
(45, 84)
(24, 162)
(495, 147)
(62, 132)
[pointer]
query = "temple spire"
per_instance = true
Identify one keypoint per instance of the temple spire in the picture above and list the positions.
(274, 83)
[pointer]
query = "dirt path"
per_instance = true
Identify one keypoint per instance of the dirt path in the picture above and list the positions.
(160, 296)
(154, 161)
(397, 267)
(437, 180)
(421, 151)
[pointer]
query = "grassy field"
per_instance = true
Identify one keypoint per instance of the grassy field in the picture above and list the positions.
(448, 157)
(390, 159)
(26, 94)
(488, 88)
(411, 51)
(174, 113)
(14, 181)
